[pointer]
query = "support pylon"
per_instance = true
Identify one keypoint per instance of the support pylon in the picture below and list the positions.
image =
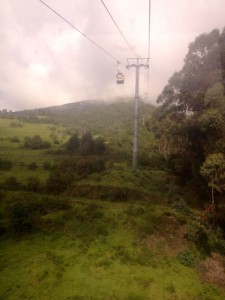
(137, 65)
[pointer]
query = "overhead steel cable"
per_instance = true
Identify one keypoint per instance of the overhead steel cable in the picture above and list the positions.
(129, 46)
(149, 41)
(149, 28)
(68, 22)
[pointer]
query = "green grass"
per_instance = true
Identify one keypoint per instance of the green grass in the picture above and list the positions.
(94, 249)
(80, 261)
(21, 157)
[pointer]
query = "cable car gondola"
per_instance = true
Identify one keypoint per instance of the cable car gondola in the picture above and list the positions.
(119, 78)
(119, 75)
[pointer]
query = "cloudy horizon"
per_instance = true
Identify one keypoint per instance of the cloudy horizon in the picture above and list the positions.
(45, 62)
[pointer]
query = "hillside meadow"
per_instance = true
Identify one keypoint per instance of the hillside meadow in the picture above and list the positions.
(77, 226)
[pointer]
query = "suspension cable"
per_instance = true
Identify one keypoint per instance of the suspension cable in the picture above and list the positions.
(149, 28)
(149, 41)
(90, 40)
(129, 46)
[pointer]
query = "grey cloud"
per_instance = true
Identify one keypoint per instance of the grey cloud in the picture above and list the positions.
(45, 62)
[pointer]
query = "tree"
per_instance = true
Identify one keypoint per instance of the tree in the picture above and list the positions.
(33, 184)
(202, 69)
(11, 183)
(73, 144)
(99, 146)
(190, 121)
(213, 169)
(36, 143)
(5, 164)
(87, 144)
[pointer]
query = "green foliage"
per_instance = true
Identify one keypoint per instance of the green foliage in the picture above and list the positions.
(181, 206)
(32, 166)
(207, 240)
(73, 143)
(180, 166)
(16, 124)
(47, 165)
(107, 192)
(23, 211)
(214, 97)
(23, 216)
(93, 245)
(213, 169)
(189, 124)
(199, 234)
(11, 183)
(5, 164)
(212, 122)
(86, 145)
(35, 143)
(71, 169)
(187, 258)
(33, 184)
(15, 139)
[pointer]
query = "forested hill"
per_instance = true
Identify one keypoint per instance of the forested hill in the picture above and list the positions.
(88, 110)
(190, 122)
(112, 120)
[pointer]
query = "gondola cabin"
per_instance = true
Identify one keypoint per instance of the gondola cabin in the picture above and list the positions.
(119, 78)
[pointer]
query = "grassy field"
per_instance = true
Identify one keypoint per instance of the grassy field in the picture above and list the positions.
(87, 243)
(103, 256)
(22, 158)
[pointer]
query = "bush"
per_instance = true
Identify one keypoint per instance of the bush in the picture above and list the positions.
(180, 166)
(181, 206)
(206, 239)
(5, 164)
(68, 170)
(14, 139)
(35, 143)
(12, 184)
(32, 166)
(155, 161)
(23, 211)
(47, 165)
(187, 258)
(33, 184)
(23, 216)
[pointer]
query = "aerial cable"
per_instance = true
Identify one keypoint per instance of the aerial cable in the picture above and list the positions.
(149, 28)
(90, 40)
(129, 46)
(149, 41)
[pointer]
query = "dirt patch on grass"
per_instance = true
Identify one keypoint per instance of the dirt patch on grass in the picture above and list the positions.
(212, 270)
(171, 241)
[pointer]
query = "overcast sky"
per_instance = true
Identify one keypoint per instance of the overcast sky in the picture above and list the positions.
(45, 62)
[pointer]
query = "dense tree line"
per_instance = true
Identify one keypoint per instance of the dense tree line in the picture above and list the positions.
(35, 143)
(189, 124)
(86, 145)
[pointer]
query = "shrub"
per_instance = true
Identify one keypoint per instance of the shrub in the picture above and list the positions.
(32, 166)
(11, 183)
(180, 166)
(181, 206)
(68, 170)
(33, 184)
(47, 165)
(73, 143)
(23, 211)
(186, 258)
(207, 240)
(23, 216)
(59, 181)
(5, 164)
(35, 143)
(198, 234)
(14, 139)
